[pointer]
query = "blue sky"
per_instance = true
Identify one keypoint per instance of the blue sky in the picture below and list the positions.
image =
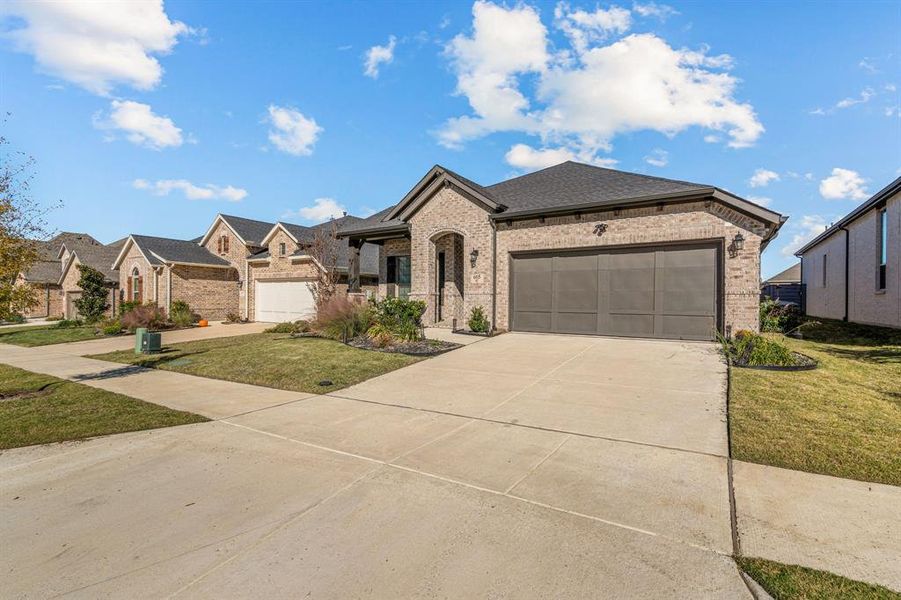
(150, 118)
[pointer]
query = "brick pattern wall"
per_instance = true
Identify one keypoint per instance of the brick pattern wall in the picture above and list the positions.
(452, 297)
(71, 292)
(49, 304)
(400, 247)
(211, 293)
(152, 293)
(826, 301)
(236, 256)
(669, 223)
(450, 212)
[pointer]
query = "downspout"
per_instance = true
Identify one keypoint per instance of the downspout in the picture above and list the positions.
(47, 287)
(493, 274)
(847, 261)
(169, 290)
(245, 290)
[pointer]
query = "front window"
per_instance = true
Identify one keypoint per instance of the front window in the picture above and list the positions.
(883, 248)
(282, 249)
(398, 276)
(135, 284)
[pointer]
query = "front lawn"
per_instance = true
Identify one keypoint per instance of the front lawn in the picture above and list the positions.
(790, 582)
(841, 419)
(271, 360)
(39, 409)
(40, 335)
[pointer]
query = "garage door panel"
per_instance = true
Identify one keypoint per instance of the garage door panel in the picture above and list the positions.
(660, 292)
(280, 301)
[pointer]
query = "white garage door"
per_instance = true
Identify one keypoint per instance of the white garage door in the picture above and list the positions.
(280, 301)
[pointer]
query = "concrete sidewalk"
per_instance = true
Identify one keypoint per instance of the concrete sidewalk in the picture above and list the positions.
(852, 528)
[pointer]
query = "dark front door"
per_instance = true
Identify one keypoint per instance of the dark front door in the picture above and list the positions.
(662, 292)
(441, 281)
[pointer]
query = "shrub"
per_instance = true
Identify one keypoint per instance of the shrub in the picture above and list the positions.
(128, 306)
(234, 318)
(182, 315)
(94, 291)
(401, 317)
(779, 318)
(69, 323)
(111, 327)
(17, 318)
(342, 319)
(300, 326)
(478, 322)
(150, 316)
(751, 349)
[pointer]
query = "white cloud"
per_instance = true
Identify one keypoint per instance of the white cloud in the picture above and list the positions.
(378, 55)
(582, 102)
(657, 158)
(583, 28)
(291, 131)
(209, 191)
(652, 9)
(96, 45)
(865, 96)
(761, 200)
(140, 125)
(763, 177)
(867, 65)
(805, 230)
(321, 210)
(712, 138)
(843, 183)
(527, 158)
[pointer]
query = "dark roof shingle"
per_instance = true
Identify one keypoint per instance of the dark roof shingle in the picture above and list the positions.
(159, 250)
(251, 231)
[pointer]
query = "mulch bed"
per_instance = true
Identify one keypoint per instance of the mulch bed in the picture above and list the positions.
(420, 348)
(802, 363)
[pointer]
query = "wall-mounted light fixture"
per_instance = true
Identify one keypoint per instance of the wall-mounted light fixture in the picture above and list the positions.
(737, 245)
(473, 256)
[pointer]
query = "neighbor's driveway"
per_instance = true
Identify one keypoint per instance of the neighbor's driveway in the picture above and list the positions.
(520, 466)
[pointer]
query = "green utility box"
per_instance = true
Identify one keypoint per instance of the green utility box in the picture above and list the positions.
(153, 342)
(140, 333)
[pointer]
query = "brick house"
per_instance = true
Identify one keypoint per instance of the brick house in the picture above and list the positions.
(281, 275)
(573, 249)
(163, 270)
(99, 257)
(44, 275)
(852, 271)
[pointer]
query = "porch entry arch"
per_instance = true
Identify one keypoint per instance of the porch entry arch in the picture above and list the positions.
(446, 276)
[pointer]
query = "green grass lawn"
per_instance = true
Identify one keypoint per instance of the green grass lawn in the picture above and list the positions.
(39, 409)
(790, 582)
(842, 419)
(271, 360)
(39, 335)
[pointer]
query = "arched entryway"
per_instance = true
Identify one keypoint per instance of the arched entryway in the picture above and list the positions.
(446, 287)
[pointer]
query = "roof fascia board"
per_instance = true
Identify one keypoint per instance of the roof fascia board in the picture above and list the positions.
(271, 234)
(428, 186)
(378, 233)
(173, 263)
(420, 185)
(219, 218)
(124, 252)
(66, 267)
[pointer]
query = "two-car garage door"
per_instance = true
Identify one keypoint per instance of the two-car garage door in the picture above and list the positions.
(281, 301)
(662, 292)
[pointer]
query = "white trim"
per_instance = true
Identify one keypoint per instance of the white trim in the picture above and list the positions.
(279, 225)
(169, 291)
(257, 260)
(212, 228)
(124, 252)
(245, 290)
(71, 259)
(190, 264)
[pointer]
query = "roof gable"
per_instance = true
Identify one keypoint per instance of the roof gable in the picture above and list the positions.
(248, 231)
(431, 183)
(158, 251)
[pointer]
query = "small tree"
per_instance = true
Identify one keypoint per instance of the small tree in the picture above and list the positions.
(94, 291)
(21, 222)
(323, 248)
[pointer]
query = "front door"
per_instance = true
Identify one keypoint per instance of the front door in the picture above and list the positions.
(441, 280)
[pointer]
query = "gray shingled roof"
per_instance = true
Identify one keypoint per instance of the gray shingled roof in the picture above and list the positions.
(789, 275)
(372, 222)
(101, 258)
(571, 184)
(47, 268)
(43, 271)
(251, 231)
(369, 253)
(170, 250)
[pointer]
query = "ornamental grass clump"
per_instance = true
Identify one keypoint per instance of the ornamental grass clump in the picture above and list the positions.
(341, 319)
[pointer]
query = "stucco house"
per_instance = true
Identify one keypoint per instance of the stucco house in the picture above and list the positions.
(44, 275)
(852, 271)
(97, 256)
(573, 249)
(162, 270)
(282, 273)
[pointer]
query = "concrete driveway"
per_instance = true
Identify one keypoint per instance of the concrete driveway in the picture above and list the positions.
(520, 466)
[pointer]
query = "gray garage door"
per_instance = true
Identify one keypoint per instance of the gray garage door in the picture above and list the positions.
(665, 292)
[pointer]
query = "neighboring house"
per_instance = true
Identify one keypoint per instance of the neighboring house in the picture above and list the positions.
(95, 256)
(44, 274)
(573, 249)
(852, 271)
(235, 239)
(281, 275)
(163, 270)
(784, 286)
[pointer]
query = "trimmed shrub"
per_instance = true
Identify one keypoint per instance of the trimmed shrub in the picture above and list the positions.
(401, 317)
(300, 326)
(341, 319)
(69, 323)
(750, 349)
(150, 316)
(181, 314)
(111, 327)
(478, 322)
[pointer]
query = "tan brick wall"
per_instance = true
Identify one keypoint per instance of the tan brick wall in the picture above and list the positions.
(399, 247)
(210, 292)
(450, 212)
(866, 303)
(152, 293)
(236, 256)
(49, 304)
(72, 291)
